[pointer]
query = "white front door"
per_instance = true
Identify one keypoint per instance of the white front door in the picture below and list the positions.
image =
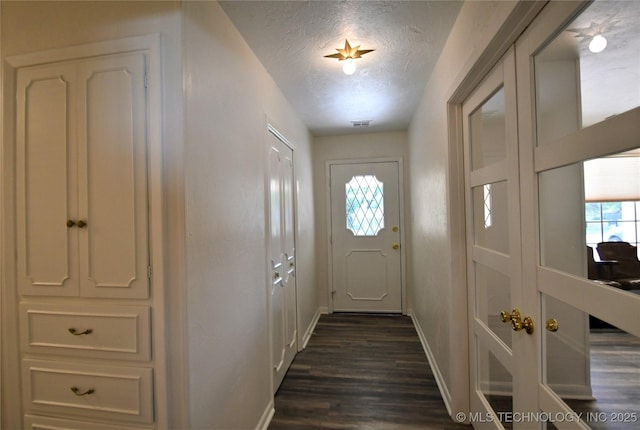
(282, 289)
(365, 237)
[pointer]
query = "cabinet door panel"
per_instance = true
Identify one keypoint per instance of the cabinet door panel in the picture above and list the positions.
(112, 172)
(45, 168)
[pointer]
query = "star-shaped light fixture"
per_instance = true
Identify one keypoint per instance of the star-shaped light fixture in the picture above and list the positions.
(348, 54)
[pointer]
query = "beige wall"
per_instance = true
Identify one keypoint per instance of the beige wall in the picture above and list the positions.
(229, 97)
(325, 148)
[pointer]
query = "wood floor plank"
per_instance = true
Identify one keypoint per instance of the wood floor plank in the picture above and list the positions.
(361, 372)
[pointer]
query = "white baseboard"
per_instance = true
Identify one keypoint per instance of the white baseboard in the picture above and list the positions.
(267, 416)
(312, 326)
(442, 386)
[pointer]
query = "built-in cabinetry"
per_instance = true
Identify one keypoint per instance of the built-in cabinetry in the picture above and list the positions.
(85, 290)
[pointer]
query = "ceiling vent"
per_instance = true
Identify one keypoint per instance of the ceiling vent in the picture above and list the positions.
(363, 123)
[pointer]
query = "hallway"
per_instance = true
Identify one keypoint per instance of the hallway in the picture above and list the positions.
(361, 371)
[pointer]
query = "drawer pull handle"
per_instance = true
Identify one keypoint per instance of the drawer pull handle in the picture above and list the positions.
(75, 332)
(77, 392)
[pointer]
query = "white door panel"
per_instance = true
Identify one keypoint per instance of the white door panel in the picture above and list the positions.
(112, 154)
(47, 249)
(282, 286)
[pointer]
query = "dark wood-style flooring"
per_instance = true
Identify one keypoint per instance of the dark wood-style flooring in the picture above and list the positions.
(361, 372)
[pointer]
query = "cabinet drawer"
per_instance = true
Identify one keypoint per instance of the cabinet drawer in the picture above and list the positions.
(34, 422)
(88, 390)
(114, 332)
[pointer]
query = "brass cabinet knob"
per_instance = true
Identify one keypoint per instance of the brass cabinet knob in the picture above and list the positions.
(70, 223)
(82, 224)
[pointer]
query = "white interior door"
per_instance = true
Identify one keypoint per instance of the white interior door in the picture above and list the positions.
(365, 237)
(499, 370)
(533, 203)
(282, 256)
(579, 128)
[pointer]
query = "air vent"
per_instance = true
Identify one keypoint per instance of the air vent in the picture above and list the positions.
(363, 123)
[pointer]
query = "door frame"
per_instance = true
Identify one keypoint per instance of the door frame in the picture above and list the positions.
(403, 276)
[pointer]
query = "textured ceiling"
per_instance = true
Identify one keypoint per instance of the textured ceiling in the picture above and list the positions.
(291, 39)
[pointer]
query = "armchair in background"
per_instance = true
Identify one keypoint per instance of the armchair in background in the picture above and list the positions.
(600, 271)
(626, 269)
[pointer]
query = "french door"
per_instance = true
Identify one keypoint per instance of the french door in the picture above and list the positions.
(548, 116)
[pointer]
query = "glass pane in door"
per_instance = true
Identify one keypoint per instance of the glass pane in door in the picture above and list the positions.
(488, 131)
(496, 384)
(588, 231)
(593, 366)
(589, 72)
(493, 294)
(490, 216)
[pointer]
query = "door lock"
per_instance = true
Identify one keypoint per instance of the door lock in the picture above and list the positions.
(396, 246)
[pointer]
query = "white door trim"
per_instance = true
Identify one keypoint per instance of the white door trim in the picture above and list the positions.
(328, 164)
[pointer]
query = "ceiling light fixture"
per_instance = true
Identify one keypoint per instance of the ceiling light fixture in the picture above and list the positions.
(348, 54)
(597, 44)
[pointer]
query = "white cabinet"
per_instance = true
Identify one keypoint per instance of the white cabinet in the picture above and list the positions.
(86, 302)
(81, 179)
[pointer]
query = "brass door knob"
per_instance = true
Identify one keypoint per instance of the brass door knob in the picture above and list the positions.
(82, 224)
(70, 223)
(517, 322)
(552, 325)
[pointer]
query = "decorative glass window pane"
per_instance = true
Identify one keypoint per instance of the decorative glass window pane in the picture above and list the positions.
(365, 205)
(487, 206)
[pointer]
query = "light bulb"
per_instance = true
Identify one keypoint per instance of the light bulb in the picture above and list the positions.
(597, 44)
(349, 66)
